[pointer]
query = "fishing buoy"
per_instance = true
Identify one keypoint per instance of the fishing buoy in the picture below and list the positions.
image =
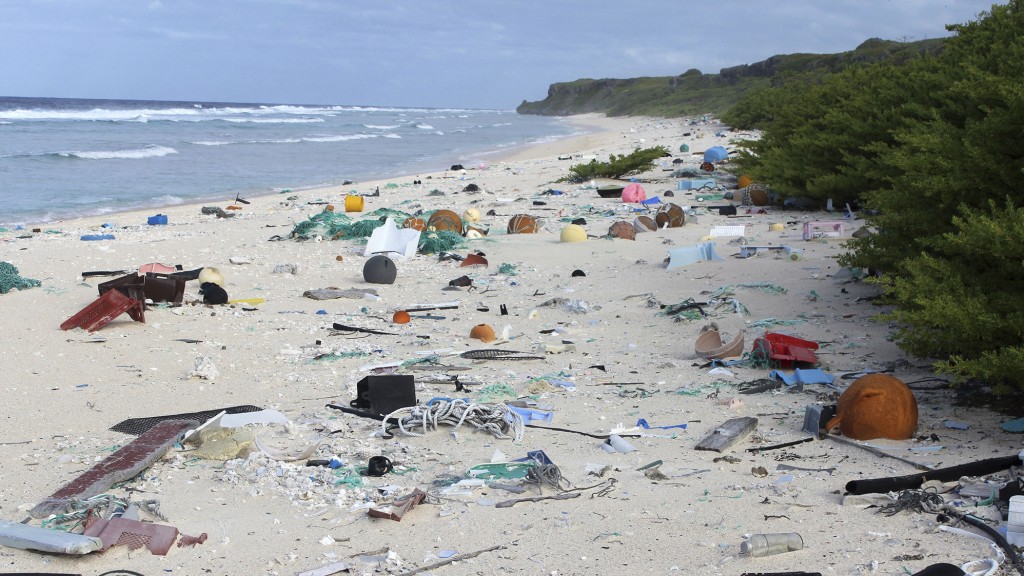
(211, 275)
(445, 220)
(380, 270)
(471, 216)
(573, 233)
(522, 224)
(483, 333)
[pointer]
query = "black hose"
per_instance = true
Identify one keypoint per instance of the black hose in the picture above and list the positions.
(993, 534)
(898, 483)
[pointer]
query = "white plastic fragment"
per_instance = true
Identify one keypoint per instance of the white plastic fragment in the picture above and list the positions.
(204, 369)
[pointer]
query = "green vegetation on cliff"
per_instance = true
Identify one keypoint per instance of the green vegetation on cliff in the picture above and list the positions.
(693, 93)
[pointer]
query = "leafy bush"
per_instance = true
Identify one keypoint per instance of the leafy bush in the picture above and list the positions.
(617, 166)
(933, 148)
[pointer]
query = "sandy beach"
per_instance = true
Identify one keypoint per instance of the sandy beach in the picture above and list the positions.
(607, 353)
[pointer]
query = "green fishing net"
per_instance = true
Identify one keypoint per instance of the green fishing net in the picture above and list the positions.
(9, 279)
(440, 241)
(326, 223)
(335, 225)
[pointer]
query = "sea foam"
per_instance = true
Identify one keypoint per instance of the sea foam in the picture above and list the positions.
(147, 152)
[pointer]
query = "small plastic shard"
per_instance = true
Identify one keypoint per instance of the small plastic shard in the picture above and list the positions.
(400, 507)
(157, 538)
(327, 570)
(191, 541)
(285, 455)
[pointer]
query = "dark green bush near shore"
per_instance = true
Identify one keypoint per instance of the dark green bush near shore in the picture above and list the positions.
(617, 166)
(936, 147)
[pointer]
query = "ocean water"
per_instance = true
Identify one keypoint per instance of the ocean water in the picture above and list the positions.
(62, 158)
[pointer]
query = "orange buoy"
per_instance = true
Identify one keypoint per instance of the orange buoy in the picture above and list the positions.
(523, 224)
(353, 203)
(401, 317)
(445, 220)
(876, 406)
(483, 333)
(623, 230)
(744, 181)
(670, 215)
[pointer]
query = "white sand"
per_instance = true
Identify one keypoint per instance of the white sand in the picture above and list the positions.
(63, 390)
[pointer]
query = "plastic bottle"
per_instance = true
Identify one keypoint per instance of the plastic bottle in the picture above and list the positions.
(769, 544)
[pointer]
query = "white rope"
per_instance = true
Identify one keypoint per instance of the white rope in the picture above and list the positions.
(497, 419)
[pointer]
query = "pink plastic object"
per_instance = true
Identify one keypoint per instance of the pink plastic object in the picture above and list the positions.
(156, 267)
(633, 193)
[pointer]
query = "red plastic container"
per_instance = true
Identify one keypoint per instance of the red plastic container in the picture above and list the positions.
(787, 351)
(101, 311)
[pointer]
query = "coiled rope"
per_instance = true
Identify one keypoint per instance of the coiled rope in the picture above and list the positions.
(497, 419)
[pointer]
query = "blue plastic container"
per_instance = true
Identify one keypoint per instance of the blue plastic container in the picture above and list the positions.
(159, 219)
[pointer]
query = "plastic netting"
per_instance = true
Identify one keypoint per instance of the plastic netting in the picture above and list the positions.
(440, 241)
(10, 279)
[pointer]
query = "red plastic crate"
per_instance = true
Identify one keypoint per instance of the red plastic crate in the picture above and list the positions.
(787, 351)
(101, 311)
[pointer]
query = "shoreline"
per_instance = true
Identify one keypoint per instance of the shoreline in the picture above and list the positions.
(592, 122)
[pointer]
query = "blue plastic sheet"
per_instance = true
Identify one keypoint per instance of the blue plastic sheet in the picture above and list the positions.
(803, 376)
(533, 415)
(643, 424)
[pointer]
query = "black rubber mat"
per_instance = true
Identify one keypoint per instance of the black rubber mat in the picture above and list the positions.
(137, 426)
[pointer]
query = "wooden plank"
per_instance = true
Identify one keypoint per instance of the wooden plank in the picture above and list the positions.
(728, 433)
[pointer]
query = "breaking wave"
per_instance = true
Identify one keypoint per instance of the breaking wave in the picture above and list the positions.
(147, 152)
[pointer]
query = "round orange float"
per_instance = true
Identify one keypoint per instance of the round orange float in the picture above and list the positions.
(523, 224)
(445, 220)
(623, 230)
(483, 333)
(876, 406)
(401, 317)
(670, 215)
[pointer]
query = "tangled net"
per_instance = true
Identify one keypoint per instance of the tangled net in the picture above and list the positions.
(915, 500)
(101, 505)
(9, 279)
(497, 419)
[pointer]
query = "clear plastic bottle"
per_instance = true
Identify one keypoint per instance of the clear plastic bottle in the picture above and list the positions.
(769, 544)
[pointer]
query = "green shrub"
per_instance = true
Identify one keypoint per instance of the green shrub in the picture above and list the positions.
(617, 166)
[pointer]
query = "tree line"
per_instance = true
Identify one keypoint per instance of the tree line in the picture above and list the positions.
(932, 153)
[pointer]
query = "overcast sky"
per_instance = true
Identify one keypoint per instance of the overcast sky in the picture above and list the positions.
(434, 53)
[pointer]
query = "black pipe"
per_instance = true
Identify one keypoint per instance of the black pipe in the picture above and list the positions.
(897, 483)
(992, 534)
